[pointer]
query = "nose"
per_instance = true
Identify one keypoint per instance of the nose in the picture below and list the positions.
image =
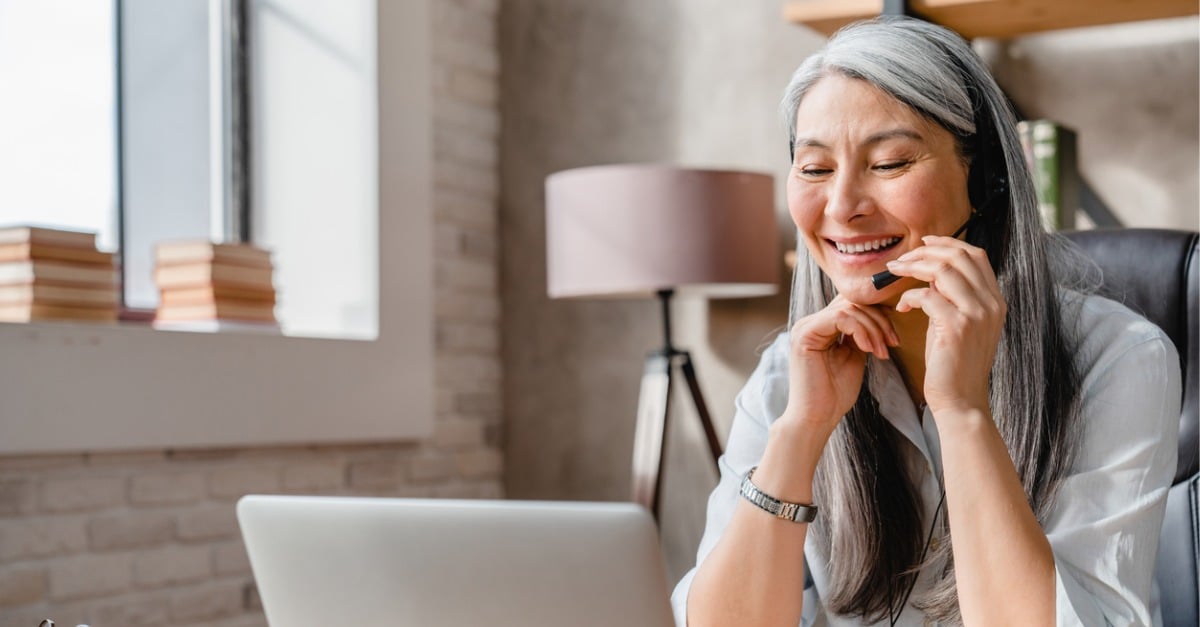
(847, 198)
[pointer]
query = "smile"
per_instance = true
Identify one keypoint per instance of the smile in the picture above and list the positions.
(866, 247)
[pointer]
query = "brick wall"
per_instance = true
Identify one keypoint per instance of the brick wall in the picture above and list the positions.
(150, 538)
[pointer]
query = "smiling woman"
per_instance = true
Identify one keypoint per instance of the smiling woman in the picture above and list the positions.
(936, 422)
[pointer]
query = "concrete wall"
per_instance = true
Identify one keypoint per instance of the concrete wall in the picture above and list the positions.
(150, 537)
(696, 82)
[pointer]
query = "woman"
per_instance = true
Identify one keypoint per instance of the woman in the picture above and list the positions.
(984, 445)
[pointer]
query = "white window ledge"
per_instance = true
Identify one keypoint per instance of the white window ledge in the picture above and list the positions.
(74, 387)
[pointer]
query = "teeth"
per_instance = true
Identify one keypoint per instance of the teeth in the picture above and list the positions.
(863, 247)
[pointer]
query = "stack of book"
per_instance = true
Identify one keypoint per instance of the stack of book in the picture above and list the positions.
(1050, 151)
(207, 286)
(55, 274)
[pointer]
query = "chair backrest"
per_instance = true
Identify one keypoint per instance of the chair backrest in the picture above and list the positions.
(1156, 273)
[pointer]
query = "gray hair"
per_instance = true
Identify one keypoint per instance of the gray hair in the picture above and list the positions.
(873, 530)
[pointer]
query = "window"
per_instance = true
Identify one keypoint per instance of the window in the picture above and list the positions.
(136, 120)
(127, 387)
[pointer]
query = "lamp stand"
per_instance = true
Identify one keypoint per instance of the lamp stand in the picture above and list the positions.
(654, 401)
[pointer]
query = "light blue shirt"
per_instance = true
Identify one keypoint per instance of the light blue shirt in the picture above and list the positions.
(1105, 525)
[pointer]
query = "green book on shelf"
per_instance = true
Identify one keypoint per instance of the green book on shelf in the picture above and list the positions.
(1050, 150)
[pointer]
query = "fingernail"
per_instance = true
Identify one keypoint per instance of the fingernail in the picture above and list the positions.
(926, 238)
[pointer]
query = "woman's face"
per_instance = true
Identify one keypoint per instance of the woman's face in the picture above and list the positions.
(869, 178)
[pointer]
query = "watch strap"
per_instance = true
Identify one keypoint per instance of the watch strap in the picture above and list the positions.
(795, 512)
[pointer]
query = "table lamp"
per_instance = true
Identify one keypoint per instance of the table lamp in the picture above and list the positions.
(644, 230)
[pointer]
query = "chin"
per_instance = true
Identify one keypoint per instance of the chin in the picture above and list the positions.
(861, 291)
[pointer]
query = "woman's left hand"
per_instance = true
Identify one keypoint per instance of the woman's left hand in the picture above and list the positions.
(966, 317)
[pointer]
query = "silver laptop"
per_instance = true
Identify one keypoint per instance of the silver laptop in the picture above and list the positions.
(322, 561)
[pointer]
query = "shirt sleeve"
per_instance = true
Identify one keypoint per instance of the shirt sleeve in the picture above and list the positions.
(756, 406)
(1104, 530)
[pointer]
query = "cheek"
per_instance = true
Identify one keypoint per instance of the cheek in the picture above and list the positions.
(803, 205)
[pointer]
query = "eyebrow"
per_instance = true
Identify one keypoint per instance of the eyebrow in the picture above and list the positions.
(873, 139)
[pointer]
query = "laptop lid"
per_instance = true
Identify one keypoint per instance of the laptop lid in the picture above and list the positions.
(321, 561)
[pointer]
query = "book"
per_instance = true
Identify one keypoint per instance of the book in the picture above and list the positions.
(38, 270)
(218, 326)
(40, 293)
(23, 234)
(219, 310)
(185, 252)
(212, 293)
(204, 274)
(30, 250)
(35, 312)
(1050, 150)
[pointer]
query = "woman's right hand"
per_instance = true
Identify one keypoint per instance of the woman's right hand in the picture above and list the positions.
(828, 358)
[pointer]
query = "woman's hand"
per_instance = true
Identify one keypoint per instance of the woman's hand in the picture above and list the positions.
(828, 355)
(966, 316)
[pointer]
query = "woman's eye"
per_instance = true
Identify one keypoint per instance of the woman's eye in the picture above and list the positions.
(810, 171)
(891, 165)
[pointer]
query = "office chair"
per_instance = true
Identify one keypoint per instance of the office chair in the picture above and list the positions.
(1155, 273)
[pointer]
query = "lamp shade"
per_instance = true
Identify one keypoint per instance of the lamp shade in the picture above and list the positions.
(620, 231)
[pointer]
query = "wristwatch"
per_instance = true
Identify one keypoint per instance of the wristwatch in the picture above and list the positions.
(795, 512)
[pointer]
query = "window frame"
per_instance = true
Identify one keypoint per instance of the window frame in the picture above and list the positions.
(74, 387)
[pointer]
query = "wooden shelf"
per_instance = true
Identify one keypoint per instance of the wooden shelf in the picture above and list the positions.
(991, 18)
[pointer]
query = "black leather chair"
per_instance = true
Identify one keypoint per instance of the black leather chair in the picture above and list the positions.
(1155, 273)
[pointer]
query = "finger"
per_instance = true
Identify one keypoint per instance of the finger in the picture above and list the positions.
(885, 325)
(929, 260)
(864, 331)
(977, 255)
(949, 280)
(931, 302)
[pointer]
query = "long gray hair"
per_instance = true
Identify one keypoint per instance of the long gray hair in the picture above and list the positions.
(873, 528)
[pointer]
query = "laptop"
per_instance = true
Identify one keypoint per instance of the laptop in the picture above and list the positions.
(321, 561)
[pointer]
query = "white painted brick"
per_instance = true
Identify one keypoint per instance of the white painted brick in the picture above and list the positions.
(231, 559)
(128, 459)
(207, 522)
(472, 371)
(384, 473)
(474, 87)
(457, 207)
(457, 433)
(427, 468)
(461, 52)
(455, 305)
(41, 537)
(131, 530)
(22, 586)
(143, 611)
(87, 576)
(453, 21)
(81, 493)
(467, 275)
(468, 336)
(489, 8)
(468, 490)
(481, 120)
(478, 403)
(171, 565)
(236, 481)
(10, 463)
(166, 489)
(314, 476)
(447, 240)
(455, 148)
(210, 602)
(444, 400)
(16, 496)
(474, 182)
(480, 464)
(478, 244)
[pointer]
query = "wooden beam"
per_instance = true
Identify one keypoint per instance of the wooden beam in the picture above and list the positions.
(992, 18)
